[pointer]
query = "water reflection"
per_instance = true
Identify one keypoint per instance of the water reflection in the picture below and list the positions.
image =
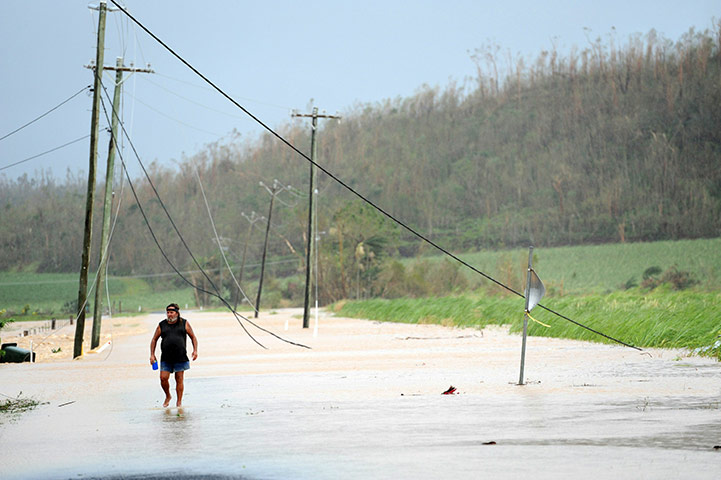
(174, 414)
(175, 425)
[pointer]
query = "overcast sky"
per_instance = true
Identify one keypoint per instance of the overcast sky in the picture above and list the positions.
(271, 56)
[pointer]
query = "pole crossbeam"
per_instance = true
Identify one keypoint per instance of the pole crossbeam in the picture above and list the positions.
(317, 115)
(122, 69)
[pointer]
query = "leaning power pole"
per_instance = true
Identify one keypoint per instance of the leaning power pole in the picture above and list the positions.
(108, 200)
(314, 116)
(274, 190)
(90, 198)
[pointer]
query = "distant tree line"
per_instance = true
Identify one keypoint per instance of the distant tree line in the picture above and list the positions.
(611, 143)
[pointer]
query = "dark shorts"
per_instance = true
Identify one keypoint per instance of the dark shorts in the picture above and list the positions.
(174, 367)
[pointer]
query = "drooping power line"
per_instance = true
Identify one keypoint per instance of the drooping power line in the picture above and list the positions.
(348, 187)
(44, 153)
(217, 292)
(46, 113)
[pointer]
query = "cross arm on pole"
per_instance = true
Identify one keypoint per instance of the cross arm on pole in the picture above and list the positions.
(315, 114)
(122, 69)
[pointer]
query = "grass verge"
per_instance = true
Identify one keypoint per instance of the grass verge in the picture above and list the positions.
(661, 318)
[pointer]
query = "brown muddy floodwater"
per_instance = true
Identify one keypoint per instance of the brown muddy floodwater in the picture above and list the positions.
(365, 402)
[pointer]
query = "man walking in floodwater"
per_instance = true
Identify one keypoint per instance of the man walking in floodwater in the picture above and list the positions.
(174, 356)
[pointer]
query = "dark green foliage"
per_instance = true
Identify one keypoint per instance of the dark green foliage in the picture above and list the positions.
(70, 307)
(677, 279)
(651, 272)
(422, 279)
(3, 320)
(352, 254)
(630, 283)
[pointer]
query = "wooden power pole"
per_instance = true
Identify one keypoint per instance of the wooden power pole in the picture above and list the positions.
(90, 198)
(314, 116)
(108, 199)
(274, 190)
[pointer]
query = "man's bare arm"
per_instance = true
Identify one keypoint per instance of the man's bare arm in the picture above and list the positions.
(153, 343)
(193, 338)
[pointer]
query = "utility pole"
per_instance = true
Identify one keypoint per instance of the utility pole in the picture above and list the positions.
(254, 217)
(274, 190)
(314, 116)
(90, 198)
(108, 200)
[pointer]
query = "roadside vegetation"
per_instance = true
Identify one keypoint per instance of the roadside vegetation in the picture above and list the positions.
(658, 294)
(660, 318)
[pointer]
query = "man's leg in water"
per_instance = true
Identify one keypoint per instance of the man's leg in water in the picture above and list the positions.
(165, 384)
(179, 387)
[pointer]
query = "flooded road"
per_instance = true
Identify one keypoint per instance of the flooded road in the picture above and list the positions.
(366, 402)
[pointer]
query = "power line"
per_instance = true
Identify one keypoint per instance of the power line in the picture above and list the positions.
(147, 222)
(259, 102)
(46, 113)
(157, 243)
(44, 153)
(217, 238)
(346, 186)
(172, 118)
(193, 101)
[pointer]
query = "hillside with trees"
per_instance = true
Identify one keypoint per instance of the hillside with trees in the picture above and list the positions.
(608, 143)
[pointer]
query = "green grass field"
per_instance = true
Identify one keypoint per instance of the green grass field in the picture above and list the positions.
(601, 268)
(27, 296)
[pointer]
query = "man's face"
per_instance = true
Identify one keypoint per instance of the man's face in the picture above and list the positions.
(172, 315)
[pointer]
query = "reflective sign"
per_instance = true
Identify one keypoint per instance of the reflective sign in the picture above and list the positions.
(536, 291)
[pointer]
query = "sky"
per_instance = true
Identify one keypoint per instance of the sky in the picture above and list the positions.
(273, 57)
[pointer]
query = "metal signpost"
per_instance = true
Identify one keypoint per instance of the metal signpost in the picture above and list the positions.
(534, 292)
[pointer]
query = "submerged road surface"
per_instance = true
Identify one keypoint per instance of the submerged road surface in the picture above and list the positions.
(365, 402)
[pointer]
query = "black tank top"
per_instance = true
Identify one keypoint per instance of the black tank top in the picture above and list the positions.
(172, 346)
